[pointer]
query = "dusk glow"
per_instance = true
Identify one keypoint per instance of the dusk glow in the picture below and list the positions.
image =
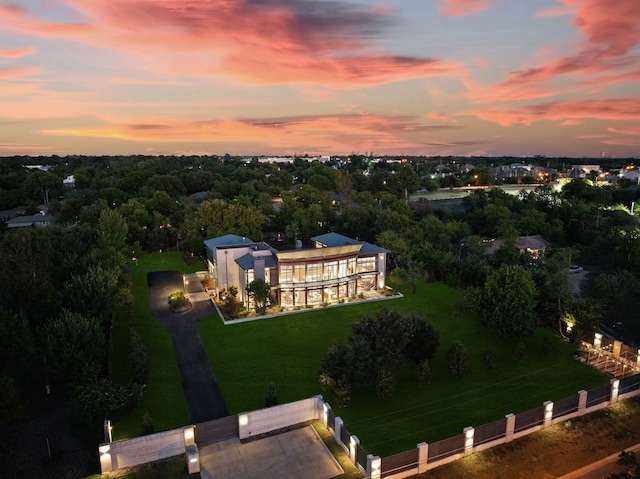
(278, 77)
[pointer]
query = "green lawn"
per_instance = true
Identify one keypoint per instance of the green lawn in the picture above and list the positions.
(163, 398)
(287, 350)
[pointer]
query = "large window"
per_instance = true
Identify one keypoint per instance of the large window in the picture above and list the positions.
(351, 269)
(342, 268)
(330, 270)
(366, 264)
(286, 274)
(313, 272)
(298, 273)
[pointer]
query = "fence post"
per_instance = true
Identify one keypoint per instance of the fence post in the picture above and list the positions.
(423, 457)
(189, 433)
(193, 458)
(105, 458)
(510, 427)
(469, 432)
(337, 432)
(582, 402)
(353, 446)
(615, 390)
(597, 340)
(326, 407)
(374, 469)
(548, 413)
(243, 425)
(318, 407)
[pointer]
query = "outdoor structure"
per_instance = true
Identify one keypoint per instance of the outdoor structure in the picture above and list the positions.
(336, 269)
(533, 244)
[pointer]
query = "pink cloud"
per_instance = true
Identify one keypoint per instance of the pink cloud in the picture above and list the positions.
(588, 137)
(627, 131)
(554, 12)
(616, 109)
(16, 52)
(437, 116)
(457, 8)
(569, 123)
(289, 41)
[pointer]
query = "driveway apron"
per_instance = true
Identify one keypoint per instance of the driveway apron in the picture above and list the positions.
(201, 390)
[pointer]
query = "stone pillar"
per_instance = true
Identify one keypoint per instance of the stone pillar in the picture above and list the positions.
(582, 402)
(326, 407)
(338, 430)
(510, 427)
(105, 458)
(469, 433)
(189, 433)
(374, 466)
(423, 457)
(319, 407)
(193, 459)
(548, 413)
(353, 444)
(107, 431)
(615, 390)
(243, 425)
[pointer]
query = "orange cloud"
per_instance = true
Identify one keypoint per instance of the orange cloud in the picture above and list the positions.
(616, 109)
(627, 131)
(623, 142)
(457, 8)
(16, 52)
(18, 72)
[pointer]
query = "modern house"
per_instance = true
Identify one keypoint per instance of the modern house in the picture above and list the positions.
(336, 269)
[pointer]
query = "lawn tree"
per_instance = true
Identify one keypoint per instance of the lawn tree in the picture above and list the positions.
(506, 304)
(424, 339)
(337, 372)
(260, 292)
(94, 293)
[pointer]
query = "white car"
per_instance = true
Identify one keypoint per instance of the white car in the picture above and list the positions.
(574, 268)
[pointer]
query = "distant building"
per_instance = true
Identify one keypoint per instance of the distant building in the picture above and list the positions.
(535, 245)
(39, 220)
(336, 269)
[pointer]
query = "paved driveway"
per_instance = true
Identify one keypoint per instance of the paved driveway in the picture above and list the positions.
(292, 455)
(201, 390)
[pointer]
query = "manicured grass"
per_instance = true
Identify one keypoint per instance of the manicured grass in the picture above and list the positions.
(163, 398)
(287, 351)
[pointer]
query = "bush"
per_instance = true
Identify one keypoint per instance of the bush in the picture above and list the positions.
(147, 424)
(458, 359)
(423, 371)
(385, 384)
(179, 299)
(520, 354)
(271, 395)
(489, 358)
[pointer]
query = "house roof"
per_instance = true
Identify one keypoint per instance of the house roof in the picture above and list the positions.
(533, 242)
(38, 218)
(246, 262)
(335, 239)
(226, 240)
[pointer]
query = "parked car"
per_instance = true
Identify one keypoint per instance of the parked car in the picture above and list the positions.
(574, 268)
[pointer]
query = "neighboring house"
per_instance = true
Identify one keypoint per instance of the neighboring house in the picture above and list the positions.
(534, 245)
(38, 220)
(338, 268)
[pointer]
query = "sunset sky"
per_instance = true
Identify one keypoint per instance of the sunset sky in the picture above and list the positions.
(251, 77)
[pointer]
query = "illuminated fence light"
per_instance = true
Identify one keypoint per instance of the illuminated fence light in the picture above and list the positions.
(548, 413)
(376, 468)
(469, 433)
(243, 419)
(597, 340)
(615, 390)
(104, 449)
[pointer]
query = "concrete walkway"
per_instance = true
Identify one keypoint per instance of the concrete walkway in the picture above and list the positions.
(292, 455)
(201, 390)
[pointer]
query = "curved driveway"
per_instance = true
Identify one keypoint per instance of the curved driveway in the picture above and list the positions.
(201, 390)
